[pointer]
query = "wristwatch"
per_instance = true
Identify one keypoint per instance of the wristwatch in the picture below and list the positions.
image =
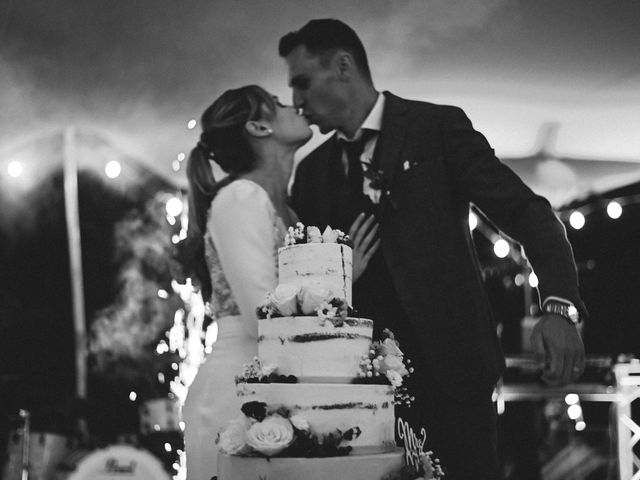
(566, 309)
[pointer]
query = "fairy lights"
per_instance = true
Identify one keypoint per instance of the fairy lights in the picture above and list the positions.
(501, 248)
(113, 169)
(15, 169)
(577, 220)
(614, 209)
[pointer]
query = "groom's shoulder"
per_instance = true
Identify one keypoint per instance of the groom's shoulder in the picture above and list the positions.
(424, 109)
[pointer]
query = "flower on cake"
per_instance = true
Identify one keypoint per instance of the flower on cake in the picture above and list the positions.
(233, 439)
(312, 297)
(301, 234)
(299, 423)
(326, 311)
(290, 300)
(257, 372)
(270, 436)
(267, 431)
(284, 299)
(314, 235)
(385, 359)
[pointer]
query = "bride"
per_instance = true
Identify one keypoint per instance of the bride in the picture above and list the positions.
(236, 226)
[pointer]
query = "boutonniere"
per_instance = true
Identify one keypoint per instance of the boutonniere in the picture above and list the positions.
(376, 185)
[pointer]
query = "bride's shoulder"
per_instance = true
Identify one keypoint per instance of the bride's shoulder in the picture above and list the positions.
(239, 192)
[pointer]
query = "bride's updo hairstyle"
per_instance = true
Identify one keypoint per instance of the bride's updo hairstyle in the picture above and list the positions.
(224, 140)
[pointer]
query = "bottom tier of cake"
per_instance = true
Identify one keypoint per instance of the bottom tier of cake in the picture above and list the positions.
(351, 467)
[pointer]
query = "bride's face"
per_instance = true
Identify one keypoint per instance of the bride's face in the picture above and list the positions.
(289, 128)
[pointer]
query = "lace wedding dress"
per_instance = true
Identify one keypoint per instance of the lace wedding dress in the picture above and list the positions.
(241, 243)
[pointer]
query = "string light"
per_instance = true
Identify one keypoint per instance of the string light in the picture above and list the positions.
(174, 206)
(501, 248)
(191, 124)
(614, 209)
(133, 396)
(175, 165)
(162, 293)
(533, 280)
(14, 169)
(181, 156)
(571, 399)
(473, 221)
(113, 169)
(577, 220)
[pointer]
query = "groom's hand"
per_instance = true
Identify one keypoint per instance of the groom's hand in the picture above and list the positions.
(558, 349)
(363, 234)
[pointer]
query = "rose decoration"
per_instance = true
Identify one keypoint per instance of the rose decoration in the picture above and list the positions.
(233, 440)
(311, 297)
(285, 299)
(394, 363)
(314, 235)
(390, 347)
(271, 436)
(394, 377)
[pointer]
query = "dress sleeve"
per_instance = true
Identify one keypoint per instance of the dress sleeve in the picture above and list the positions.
(241, 224)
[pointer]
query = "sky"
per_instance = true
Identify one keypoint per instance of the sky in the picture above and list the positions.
(138, 71)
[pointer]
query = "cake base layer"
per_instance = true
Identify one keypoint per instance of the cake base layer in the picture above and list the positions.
(307, 346)
(327, 407)
(350, 467)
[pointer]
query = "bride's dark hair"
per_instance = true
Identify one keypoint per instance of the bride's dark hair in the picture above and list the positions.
(223, 140)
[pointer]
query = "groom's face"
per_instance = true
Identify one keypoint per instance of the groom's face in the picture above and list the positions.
(317, 89)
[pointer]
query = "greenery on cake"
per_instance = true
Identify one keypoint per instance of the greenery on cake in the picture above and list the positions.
(301, 234)
(271, 431)
(295, 300)
(257, 372)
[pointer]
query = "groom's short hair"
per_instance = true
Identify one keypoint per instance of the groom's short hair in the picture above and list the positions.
(326, 35)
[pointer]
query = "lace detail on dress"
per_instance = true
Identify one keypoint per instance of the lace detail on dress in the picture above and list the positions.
(222, 301)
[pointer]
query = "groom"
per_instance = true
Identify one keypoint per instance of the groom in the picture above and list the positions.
(417, 167)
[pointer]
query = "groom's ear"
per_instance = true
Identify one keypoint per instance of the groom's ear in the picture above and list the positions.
(344, 65)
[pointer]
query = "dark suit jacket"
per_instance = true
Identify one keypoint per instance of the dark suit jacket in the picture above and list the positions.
(434, 164)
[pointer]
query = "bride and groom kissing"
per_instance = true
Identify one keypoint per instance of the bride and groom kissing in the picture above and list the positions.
(398, 175)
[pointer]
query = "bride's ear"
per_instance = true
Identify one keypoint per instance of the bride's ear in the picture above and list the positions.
(257, 128)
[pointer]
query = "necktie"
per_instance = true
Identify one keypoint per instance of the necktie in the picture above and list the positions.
(353, 151)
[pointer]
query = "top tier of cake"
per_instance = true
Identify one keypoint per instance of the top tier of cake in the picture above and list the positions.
(327, 265)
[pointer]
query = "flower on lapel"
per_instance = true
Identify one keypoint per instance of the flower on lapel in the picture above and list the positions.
(375, 184)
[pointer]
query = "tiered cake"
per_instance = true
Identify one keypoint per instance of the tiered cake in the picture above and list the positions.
(312, 408)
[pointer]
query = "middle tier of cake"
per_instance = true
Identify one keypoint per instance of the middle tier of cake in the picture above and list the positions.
(314, 349)
(368, 409)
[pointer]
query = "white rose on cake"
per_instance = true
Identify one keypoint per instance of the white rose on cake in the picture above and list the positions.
(285, 299)
(394, 363)
(312, 296)
(233, 439)
(395, 378)
(271, 436)
(314, 235)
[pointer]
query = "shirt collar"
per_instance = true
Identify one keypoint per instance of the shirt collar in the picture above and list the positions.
(372, 122)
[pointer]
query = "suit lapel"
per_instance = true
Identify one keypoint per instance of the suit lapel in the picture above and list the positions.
(390, 140)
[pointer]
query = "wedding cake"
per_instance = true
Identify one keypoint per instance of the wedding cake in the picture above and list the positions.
(318, 401)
